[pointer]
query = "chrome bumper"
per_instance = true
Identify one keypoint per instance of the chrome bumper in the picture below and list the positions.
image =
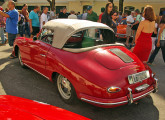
(156, 86)
(129, 96)
(130, 99)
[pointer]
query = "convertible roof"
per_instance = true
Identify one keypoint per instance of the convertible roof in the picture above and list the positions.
(65, 28)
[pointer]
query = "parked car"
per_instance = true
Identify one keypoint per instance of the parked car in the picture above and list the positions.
(82, 64)
(16, 108)
(121, 29)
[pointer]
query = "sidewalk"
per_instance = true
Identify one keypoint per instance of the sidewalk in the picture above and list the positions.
(2, 91)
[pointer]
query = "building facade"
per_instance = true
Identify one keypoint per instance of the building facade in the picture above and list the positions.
(80, 5)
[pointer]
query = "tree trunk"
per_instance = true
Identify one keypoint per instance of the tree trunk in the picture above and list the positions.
(52, 4)
(121, 5)
(110, 1)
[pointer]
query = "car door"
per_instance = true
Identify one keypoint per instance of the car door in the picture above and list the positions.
(39, 50)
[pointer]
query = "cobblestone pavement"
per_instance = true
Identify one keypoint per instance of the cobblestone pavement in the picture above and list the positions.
(26, 83)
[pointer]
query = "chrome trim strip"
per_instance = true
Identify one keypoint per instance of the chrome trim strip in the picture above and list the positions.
(117, 103)
(144, 94)
(35, 70)
(104, 103)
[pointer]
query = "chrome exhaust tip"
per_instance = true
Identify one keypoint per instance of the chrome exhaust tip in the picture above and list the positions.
(130, 97)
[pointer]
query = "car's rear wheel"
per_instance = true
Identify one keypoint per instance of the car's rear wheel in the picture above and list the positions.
(20, 60)
(65, 89)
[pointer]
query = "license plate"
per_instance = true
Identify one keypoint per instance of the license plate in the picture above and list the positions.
(138, 77)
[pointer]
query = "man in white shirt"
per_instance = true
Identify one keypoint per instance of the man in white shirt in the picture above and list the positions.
(72, 15)
(130, 20)
(44, 17)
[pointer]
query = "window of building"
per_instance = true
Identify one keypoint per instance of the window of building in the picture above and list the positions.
(85, 8)
(42, 7)
(162, 11)
(130, 8)
(58, 8)
(116, 8)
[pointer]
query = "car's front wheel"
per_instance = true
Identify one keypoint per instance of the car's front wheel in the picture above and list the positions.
(20, 60)
(65, 89)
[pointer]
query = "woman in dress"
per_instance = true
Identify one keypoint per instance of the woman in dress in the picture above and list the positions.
(143, 39)
(108, 36)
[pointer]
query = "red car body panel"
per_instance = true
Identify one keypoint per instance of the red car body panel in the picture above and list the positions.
(90, 72)
(15, 108)
(121, 30)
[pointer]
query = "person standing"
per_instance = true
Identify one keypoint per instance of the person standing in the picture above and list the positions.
(107, 19)
(114, 23)
(143, 39)
(11, 23)
(52, 14)
(44, 17)
(63, 14)
(34, 21)
(84, 15)
(120, 17)
(160, 41)
(130, 21)
(92, 16)
(21, 25)
(154, 35)
(2, 25)
(102, 12)
(72, 15)
(136, 24)
(79, 16)
(25, 13)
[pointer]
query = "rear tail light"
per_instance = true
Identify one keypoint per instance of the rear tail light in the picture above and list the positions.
(114, 89)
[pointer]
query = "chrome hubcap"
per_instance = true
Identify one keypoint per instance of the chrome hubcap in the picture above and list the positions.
(20, 59)
(64, 87)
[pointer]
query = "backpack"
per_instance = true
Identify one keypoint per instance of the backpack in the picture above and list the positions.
(22, 20)
(135, 27)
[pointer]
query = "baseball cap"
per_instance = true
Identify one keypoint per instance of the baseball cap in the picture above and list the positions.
(1, 8)
(89, 7)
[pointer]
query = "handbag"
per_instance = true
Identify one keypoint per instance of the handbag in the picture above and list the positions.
(135, 27)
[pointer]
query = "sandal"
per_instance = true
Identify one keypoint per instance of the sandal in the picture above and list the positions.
(12, 56)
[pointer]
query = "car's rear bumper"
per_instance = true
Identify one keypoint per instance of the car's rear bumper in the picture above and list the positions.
(110, 103)
(121, 35)
(118, 35)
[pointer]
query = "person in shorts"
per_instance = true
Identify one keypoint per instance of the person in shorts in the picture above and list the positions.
(130, 20)
(34, 21)
(11, 23)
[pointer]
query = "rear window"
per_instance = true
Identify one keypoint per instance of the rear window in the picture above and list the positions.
(90, 38)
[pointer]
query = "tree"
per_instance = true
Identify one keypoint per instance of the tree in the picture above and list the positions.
(110, 1)
(121, 5)
(52, 4)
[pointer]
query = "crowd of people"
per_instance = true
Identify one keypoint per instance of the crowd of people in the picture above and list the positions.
(148, 31)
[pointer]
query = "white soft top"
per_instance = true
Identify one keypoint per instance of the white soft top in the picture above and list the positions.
(65, 28)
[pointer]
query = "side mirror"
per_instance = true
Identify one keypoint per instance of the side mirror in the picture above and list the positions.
(34, 38)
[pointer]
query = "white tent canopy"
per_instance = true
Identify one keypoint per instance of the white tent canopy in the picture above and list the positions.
(65, 28)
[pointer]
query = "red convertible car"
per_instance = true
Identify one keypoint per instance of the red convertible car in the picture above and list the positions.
(121, 29)
(72, 54)
(15, 108)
